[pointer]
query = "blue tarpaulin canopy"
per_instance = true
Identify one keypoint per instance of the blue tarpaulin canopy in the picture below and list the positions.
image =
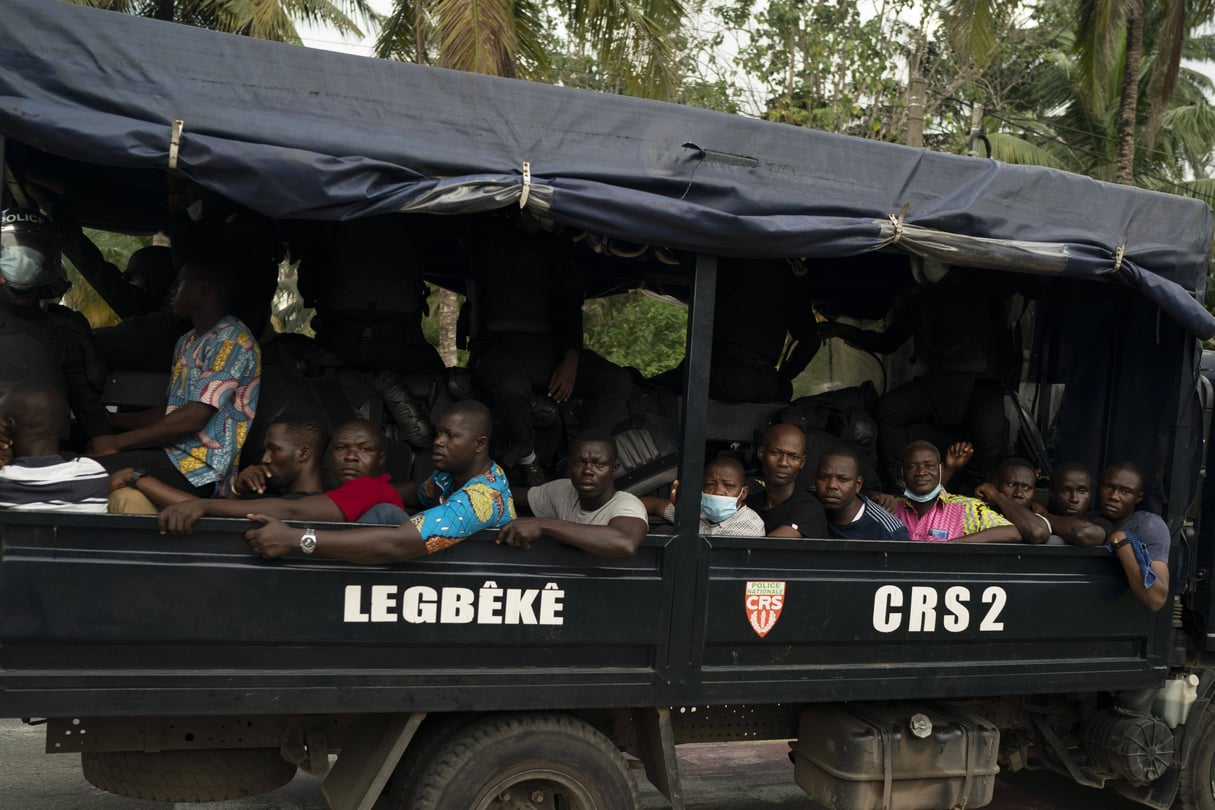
(298, 133)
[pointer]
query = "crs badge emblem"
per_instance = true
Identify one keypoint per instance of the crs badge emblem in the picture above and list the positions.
(764, 601)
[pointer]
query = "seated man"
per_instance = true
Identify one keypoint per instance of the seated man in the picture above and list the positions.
(1012, 495)
(850, 514)
(33, 474)
(1071, 494)
(356, 459)
(786, 510)
(723, 502)
(194, 442)
(585, 510)
(1140, 539)
(467, 493)
(933, 515)
(290, 467)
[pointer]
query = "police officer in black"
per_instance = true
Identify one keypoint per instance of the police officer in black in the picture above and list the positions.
(525, 324)
(42, 341)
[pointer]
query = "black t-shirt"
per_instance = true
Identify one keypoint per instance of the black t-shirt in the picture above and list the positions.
(802, 511)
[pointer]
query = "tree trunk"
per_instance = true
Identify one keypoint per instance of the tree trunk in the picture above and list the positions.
(164, 10)
(1128, 106)
(449, 311)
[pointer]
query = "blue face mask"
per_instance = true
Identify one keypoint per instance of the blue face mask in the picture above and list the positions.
(925, 498)
(717, 507)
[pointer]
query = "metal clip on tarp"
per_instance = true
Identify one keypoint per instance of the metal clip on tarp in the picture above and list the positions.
(175, 141)
(527, 184)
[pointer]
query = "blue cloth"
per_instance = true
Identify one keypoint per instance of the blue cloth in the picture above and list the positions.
(1144, 557)
(384, 513)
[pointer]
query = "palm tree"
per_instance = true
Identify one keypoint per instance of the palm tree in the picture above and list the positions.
(262, 19)
(632, 40)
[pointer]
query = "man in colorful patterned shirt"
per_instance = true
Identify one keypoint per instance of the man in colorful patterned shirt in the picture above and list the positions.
(933, 515)
(467, 493)
(194, 443)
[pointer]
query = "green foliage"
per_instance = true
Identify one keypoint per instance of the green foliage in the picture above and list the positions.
(264, 19)
(636, 329)
(827, 64)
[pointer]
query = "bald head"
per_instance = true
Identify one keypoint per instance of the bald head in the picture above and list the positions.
(35, 417)
(782, 456)
(474, 414)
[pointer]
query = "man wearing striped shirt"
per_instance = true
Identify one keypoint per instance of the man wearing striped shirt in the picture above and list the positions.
(33, 474)
(850, 515)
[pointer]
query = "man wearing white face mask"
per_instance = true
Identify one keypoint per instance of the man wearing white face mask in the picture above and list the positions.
(933, 515)
(723, 495)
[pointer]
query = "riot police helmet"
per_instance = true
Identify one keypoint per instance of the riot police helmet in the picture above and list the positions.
(30, 259)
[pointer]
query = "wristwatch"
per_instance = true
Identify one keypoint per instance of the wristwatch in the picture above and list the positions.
(308, 541)
(135, 476)
(1115, 546)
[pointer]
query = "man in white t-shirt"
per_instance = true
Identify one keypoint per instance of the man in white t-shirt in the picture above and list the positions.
(584, 510)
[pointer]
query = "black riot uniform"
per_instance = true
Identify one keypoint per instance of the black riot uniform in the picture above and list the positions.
(42, 341)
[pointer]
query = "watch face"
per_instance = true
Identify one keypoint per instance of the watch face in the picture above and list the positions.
(308, 543)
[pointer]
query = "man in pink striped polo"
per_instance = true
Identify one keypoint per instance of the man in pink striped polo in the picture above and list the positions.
(933, 515)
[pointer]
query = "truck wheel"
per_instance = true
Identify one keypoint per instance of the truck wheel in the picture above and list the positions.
(187, 776)
(526, 762)
(1197, 790)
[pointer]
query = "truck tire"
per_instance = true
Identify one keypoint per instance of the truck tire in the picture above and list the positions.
(209, 775)
(524, 761)
(1197, 788)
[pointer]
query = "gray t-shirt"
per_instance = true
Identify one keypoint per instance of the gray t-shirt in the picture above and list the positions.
(1153, 532)
(559, 499)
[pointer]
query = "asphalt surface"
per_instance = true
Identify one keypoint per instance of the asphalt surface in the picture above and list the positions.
(741, 776)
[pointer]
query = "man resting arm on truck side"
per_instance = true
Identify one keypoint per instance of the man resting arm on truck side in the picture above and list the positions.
(356, 459)
(1071, 495)
(585, 510)
(467, 493)
(1012, 495)
(933, 515)
(1120, 492)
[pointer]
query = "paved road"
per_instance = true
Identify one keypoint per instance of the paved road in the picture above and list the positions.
(754, 776)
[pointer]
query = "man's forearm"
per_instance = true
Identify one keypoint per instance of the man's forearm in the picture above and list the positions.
(1031, 527)
(169, 429)
(373, 545)
(604, 541)
(996, 534)
(1077, 531)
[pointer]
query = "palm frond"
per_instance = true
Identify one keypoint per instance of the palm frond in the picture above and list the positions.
(971, 26)
(1012, 149)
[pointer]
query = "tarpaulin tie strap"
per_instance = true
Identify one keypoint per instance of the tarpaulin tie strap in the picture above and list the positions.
(1118, 254)
(527, 184)
(175, 141)
(898, 224)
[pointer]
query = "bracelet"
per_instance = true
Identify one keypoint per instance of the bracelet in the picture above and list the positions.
(1114, 548)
